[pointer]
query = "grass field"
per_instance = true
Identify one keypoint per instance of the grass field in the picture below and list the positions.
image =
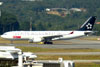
(2, 41)
(94, 38)
(65, 57)
(87, 65)
(38, 49)
(68, 57)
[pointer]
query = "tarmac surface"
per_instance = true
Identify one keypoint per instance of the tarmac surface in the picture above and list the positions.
(67, 44)
(61, 46)
(72, 44)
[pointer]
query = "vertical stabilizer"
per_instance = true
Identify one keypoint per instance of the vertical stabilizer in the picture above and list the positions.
(89, 24)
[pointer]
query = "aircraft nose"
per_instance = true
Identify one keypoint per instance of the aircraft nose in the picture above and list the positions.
(2, 36)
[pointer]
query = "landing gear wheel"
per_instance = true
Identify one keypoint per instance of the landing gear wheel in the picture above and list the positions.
(48, 43)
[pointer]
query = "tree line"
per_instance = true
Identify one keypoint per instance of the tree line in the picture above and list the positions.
(16, 15)
(8, 22)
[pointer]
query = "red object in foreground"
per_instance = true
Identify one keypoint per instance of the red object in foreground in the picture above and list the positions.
(16, 36)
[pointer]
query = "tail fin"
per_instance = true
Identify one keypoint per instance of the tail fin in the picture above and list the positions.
(89, 24)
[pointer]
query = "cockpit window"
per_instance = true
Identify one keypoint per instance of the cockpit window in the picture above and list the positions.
(5, 34)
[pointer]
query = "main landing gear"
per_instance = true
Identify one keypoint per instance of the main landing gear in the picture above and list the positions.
(48, 42)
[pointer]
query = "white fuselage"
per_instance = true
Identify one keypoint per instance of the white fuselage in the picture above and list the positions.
(27, 35)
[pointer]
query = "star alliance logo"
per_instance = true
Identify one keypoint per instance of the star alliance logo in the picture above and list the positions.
(89, 26)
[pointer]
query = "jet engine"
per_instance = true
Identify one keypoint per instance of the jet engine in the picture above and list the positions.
(35, 40)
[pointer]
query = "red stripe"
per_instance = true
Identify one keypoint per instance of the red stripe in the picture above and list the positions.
(71, 32)
(16, 36)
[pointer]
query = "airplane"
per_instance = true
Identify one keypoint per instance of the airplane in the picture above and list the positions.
(48, 36)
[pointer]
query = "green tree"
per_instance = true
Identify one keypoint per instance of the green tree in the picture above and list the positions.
(8, 22)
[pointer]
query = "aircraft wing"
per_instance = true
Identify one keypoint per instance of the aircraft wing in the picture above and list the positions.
(56, 36)
(49, 38)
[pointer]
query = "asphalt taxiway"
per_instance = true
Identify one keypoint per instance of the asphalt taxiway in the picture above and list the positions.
(69, 53)
(66, 44)
(74, 44)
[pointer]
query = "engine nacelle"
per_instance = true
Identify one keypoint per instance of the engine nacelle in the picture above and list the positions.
(35, 40)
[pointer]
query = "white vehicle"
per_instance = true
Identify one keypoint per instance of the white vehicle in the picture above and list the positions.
(29, 55)
(10, 52)
(48, 36)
